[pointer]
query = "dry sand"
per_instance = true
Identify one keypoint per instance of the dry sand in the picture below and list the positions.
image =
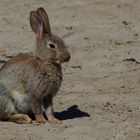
(99, 98)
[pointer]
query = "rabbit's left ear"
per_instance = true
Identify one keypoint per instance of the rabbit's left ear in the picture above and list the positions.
(45, 19)
(36, 24)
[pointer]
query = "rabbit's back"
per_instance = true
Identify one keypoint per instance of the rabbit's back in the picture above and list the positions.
(16, 71)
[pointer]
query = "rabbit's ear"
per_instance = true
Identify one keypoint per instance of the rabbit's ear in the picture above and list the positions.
(45, 19)
(36, 24)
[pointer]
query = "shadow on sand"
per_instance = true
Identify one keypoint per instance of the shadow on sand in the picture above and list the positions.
(71, 113)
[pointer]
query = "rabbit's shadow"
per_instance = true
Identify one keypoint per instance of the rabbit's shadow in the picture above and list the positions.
(71, 113)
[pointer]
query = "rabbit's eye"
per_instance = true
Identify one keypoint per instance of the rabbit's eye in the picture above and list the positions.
(52, 46)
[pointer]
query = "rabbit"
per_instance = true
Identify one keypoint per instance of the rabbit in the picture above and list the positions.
(28, 82)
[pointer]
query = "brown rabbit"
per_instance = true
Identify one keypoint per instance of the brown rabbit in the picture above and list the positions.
(28, 83)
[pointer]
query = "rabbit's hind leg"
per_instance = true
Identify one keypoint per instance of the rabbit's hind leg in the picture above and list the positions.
(8, 112)
(20, 118)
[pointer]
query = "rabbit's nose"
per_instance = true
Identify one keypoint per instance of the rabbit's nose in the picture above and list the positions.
(64, 57)
(68, 58)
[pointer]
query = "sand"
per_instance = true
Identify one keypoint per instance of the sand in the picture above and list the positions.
(99, 98)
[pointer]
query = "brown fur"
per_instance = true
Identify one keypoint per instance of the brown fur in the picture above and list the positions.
(28, 83)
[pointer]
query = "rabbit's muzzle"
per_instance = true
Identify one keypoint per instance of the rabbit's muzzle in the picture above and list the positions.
(64, 57)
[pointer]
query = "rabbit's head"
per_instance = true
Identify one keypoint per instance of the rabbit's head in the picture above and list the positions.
(49, 46)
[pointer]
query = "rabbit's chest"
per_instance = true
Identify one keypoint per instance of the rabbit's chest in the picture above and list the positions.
(46, 81)
(53, 82)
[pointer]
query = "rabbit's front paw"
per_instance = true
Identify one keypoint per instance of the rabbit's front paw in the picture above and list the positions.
(41, 119)
(54, 121)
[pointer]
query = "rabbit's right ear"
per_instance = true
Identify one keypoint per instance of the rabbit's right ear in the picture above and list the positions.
(36, 24)
(45, 19)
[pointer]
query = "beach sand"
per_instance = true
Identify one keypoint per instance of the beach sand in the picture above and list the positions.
(100, 94)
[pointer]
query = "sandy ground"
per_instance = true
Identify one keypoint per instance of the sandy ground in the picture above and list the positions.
(99, 98)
